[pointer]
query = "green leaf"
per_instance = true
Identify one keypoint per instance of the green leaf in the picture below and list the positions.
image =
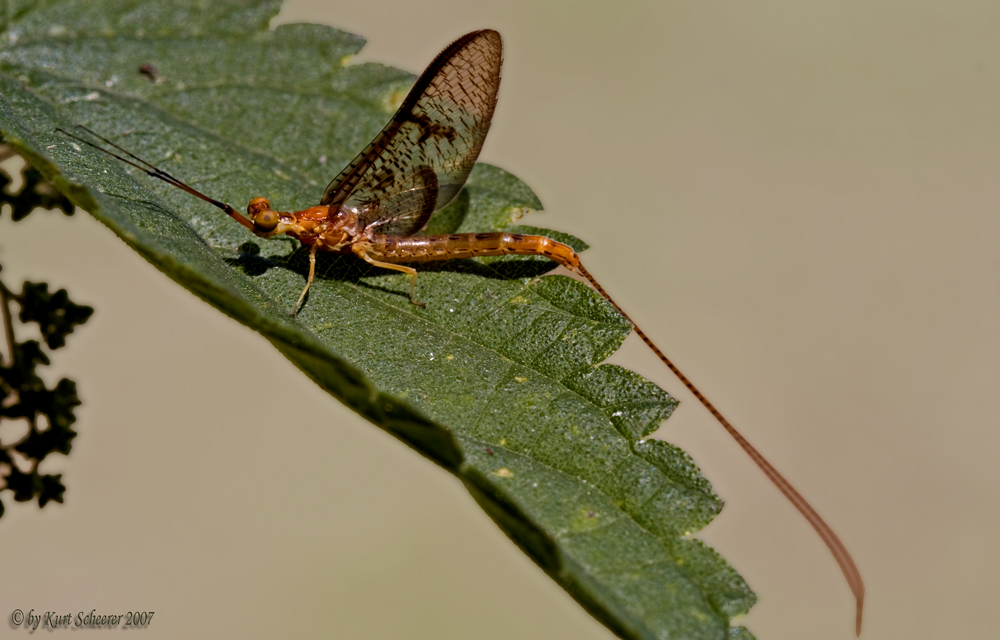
(498, 379)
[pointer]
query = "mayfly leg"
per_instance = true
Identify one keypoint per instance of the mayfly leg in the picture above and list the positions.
(362, 251)
(309, 280)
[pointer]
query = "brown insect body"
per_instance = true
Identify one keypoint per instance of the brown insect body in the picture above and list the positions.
(314, 226)
(340, 231)
(471, 245)
(336, 229)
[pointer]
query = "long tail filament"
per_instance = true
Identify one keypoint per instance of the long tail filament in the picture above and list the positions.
(840, 553)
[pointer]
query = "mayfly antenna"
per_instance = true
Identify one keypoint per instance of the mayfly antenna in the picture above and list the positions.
(154, 171)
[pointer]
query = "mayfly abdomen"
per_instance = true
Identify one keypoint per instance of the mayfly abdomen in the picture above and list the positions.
(469, 245)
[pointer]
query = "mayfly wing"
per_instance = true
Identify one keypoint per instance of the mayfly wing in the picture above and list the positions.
(421, 159)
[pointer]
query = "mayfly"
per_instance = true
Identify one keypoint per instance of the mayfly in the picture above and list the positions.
(417, 165)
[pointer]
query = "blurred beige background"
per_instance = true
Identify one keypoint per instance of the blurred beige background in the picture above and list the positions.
(798, 201)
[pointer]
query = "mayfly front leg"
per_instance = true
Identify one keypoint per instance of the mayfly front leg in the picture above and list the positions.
(312, 273)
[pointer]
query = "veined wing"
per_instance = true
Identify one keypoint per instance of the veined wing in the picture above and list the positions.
(421, 159)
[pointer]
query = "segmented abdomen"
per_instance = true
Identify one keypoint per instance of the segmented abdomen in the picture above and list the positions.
(469, 245)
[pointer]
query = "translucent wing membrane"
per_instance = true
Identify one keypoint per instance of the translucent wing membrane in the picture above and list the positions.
(421, 159)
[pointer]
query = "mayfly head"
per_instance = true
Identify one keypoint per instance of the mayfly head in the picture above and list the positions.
(264, 218)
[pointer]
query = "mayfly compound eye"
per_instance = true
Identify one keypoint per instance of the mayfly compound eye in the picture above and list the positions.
(266, 220)
(257, 205)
